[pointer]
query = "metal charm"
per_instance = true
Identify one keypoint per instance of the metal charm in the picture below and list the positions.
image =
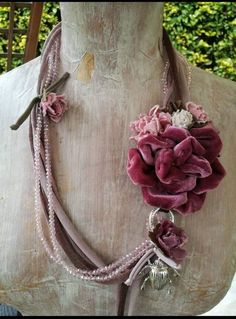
(158, 275)
(156, 215)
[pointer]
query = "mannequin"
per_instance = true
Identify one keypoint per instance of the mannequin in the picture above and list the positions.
(119, 78)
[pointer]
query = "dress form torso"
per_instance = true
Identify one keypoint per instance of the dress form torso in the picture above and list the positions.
(89, 156)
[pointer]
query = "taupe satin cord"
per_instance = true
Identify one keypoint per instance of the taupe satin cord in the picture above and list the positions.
(60, 213)
(85, 252)
(122, 298)
(86, 255)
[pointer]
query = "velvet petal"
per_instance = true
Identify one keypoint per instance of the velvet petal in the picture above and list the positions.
(163, 163)
(212, 181)
(185, 185)
(156, 142)
(208, 137)
(164, 168)
(147, 154)
(197, 166)
(157, 196)
(184, 149)
(193, 204)
(198, 149)
(176, 134)
(139, 172)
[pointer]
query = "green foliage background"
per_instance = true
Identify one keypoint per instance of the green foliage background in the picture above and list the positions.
(204, 32)
(50, 17)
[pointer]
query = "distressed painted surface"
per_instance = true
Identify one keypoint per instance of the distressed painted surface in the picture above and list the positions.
(89, 156)
(85, 68)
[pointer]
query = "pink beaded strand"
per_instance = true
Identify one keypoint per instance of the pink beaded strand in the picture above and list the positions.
(101, 274)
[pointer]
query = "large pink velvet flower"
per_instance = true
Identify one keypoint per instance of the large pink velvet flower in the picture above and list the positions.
(170, 239)
(176, 167)
(54, 105)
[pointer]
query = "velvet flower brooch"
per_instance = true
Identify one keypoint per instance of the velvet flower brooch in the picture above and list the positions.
(54, 106)
(175, 161)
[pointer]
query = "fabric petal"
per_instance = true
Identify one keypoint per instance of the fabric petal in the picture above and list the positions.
(185, 185)
(153, 127)
(193, 204)
(156, 142)
(157, 196)
(198, 149)
(139, 172)
(208, 137)
(165, 171)
(163, 163)
(176, 134)
(51, 98)
(171, 240)
(147, 154)
(197, 166)
(183, 151)
(212, 181)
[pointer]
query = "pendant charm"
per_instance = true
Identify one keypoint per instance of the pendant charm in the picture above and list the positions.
(158, 275)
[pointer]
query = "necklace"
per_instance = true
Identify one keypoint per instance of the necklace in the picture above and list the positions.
(160, 131)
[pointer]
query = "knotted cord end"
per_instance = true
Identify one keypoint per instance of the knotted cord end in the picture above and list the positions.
(38, 98)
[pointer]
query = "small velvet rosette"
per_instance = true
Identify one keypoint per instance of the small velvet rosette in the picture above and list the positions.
(54, 106)
(174, 166)
(170, 239)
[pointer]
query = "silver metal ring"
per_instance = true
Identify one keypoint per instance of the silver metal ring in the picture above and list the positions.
(157, 215)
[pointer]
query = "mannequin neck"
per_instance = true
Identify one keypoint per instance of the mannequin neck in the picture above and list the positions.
(125, 29)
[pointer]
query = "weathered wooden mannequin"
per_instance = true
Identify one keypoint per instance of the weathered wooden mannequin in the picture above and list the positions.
(89, 152)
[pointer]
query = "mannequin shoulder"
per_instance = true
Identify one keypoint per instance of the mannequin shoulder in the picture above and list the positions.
(18, 86)
(213, 91)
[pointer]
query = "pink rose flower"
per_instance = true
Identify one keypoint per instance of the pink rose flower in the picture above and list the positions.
(54, 105)
(152, 123)
(197, 111)
(177, 167)
(170, 239)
